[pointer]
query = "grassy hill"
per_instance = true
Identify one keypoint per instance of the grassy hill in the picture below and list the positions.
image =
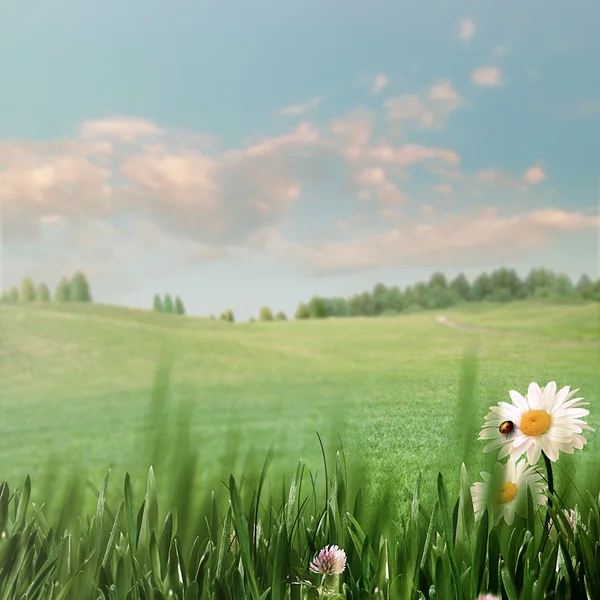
(77, 385)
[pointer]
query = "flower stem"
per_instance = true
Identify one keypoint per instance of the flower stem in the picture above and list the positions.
(550, 479)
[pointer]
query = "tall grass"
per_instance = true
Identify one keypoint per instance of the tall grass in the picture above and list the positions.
(248, 534)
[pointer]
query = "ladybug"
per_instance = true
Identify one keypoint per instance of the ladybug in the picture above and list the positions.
(506, 427)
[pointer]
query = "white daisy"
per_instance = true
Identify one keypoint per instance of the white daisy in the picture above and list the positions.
(507, 490)
(544, 420)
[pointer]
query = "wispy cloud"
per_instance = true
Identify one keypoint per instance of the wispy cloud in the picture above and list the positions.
(534, 175)
(300, 109)
(430, 110)
(586, 108)
(466, 30)
(487, 76)
(381, 82)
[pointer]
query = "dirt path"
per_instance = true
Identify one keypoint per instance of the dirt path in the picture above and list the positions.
(442, 320)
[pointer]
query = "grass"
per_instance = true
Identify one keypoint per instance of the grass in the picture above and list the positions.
(77, 387)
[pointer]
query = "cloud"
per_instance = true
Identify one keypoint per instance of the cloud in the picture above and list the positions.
(445, 189)
(126, 129)
(534, 175)
(487, 77)
(586, 108)
(429, 110)
(381, 82)
(469, 238)
(300, 109)
(500, 51)
(466, 30)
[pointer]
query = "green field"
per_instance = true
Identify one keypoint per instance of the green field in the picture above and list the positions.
(76, 385)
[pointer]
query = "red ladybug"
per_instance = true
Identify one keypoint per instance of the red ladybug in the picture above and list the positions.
(506, 427)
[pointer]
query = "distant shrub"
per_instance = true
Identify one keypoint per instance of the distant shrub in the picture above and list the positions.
(42, 293)
(302, 311)
(317, 308)
(13, 295)
(543, 293)
(168, 304)
(227, 315)
(265, 314)
(79, 290)
(179, 308)
(27, 291)
(63, 290)
(157, 304)
(280, 316)
(502, 295)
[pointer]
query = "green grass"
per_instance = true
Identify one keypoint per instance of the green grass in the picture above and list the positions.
(77, 383)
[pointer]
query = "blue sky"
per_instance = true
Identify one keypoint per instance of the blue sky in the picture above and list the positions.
(241, 154)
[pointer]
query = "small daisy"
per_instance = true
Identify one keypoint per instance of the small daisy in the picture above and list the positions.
(331, 560)
(488, 597)
(544, 420)
(510, 496)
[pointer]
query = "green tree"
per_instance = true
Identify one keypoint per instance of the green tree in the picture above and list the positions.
(540, 279)
(564, 286)
(42, 293)
(265, 314)
(179, 308)
(302, 311)
(481, 288)
(63, 290)
(27, 291)
(168, 304)
(4, 297)
(80, 288)
(280, 316)
(13, 295)
(227, 315)
(317, 308)
(157, 304)
(506, 280)
(438, 280)
(460, 286)
(585, 287)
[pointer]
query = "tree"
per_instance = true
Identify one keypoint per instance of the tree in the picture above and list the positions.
(80, 288)
(157, 304)
(585, 287)
(540, 279)
(13, 295)
(27, 291)
(506, 280)
(460, 286)
(564, 286)
(4, 297)
(265, 314)
(317, 308)
(179, 308)
(227, 315)
(63, 290)
(42, 293)
(481, 288)
(438, 280)
(280, 316)
(302, 311)
(168, 304)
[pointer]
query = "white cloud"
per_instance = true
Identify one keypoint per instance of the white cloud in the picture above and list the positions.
(466, 30)
(500, 51)
(300, 109)
(381, 82)
(471, 238)
(534, 175)
(429, 110)
(126, 129)
(487, 76)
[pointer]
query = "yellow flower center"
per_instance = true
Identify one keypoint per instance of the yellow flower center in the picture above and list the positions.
(508, 491)
(535, 422)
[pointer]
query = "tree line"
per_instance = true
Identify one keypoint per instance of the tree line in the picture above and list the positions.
(168, 305)
(74, 289)
(501, 285)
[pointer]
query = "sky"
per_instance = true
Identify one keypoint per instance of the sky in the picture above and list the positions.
(241, 154)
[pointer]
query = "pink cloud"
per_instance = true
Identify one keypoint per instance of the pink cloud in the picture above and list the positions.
(467, 237)
(534, 175)
(300, 109)
(127, 129)
(381, 82)
(487, 76)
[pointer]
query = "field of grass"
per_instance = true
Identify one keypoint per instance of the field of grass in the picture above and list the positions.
(77, 386)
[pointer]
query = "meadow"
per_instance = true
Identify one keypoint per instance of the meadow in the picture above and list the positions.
(79, 389)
